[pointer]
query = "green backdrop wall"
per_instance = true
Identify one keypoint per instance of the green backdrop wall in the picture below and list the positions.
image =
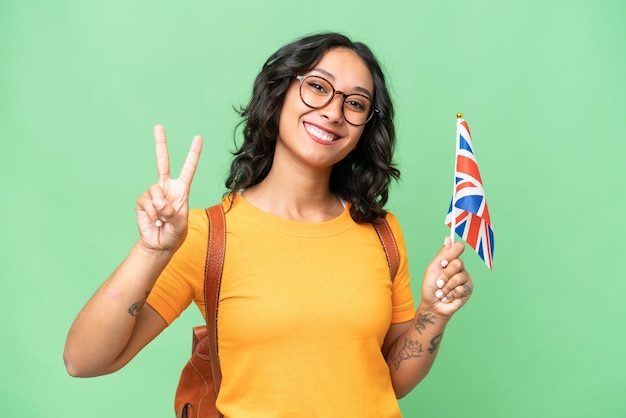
(540, 83)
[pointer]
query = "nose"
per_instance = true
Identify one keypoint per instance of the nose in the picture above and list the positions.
(333, 111)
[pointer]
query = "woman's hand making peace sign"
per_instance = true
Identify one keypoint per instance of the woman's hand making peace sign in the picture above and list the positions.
(162, 210)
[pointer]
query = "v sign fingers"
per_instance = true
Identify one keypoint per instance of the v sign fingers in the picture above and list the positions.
(162, 211)
(163, 159)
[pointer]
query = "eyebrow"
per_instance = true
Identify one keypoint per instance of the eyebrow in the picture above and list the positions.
(332, 77)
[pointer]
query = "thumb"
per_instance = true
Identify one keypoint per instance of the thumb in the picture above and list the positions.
(167, 213)
(448, 252)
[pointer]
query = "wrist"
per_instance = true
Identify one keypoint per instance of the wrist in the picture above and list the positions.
(428, 313)
(156, 256)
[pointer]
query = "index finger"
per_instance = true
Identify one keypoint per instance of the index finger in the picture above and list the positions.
(162, 157)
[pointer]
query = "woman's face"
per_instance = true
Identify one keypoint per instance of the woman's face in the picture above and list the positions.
(321, 137)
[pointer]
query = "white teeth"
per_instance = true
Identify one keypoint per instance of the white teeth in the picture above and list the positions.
(319, 134)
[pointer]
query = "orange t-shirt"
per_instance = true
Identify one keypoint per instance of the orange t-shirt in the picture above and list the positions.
(303, 311)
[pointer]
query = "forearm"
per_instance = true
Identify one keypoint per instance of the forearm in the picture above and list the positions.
(413, 353)
(102, 330)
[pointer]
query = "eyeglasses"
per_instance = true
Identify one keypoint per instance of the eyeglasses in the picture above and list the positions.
(316, 92)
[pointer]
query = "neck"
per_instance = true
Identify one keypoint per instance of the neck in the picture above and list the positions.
(296, 193)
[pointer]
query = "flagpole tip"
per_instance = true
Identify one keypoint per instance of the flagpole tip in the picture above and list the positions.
(459, 115)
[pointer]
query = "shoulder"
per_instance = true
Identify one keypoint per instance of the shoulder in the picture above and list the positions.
(198, 220)
(396, 229)
(393, 222)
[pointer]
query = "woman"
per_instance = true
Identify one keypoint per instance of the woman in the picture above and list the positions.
(309, 322)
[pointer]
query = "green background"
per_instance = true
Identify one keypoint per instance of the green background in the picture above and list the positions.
(541, 84)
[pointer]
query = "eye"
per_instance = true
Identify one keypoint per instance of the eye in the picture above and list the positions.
(357, 103)
(317, 87)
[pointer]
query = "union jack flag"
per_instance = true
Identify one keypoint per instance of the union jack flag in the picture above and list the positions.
(468, 215)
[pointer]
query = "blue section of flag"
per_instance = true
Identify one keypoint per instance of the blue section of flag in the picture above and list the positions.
(470, 203)
(463, 144)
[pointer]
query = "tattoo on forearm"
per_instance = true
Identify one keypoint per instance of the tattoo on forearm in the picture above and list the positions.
(136, 307)
(434, 343)
(410, 349)
(420, 321)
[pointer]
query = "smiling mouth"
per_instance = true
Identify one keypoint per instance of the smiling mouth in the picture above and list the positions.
(320, 134)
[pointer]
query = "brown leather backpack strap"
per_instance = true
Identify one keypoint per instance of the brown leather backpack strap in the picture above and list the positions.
(212, 280)
(389, 245)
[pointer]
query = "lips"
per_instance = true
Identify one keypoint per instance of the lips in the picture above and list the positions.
(320, 134)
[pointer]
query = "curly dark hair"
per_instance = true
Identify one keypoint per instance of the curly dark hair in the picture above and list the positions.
(361, 178)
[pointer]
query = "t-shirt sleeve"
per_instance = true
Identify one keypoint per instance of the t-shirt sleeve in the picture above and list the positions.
(181, 282)
(402, 296)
